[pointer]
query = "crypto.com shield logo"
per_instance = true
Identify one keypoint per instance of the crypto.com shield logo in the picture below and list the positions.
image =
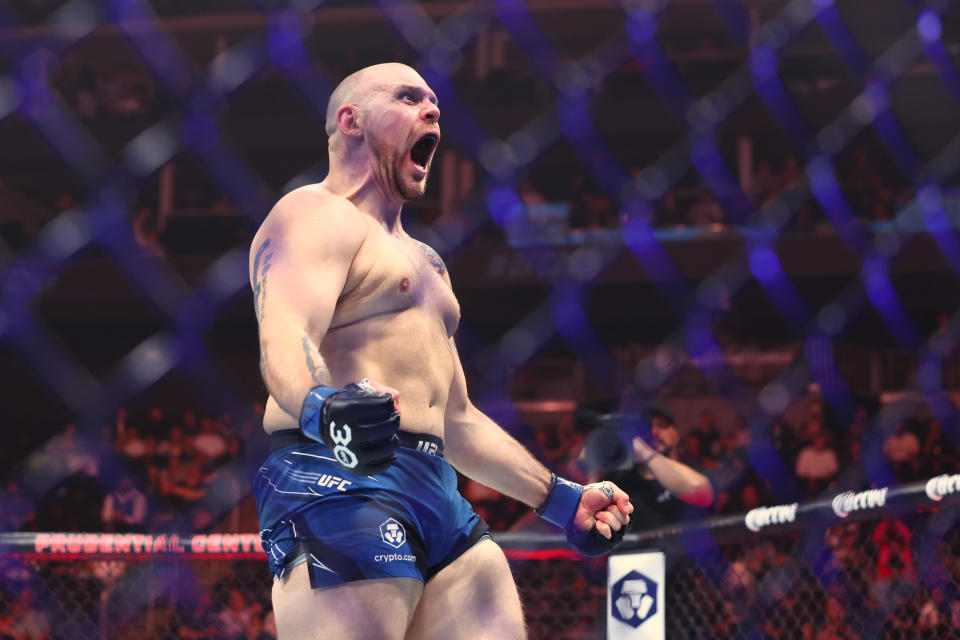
(633, 599)
(392, 533)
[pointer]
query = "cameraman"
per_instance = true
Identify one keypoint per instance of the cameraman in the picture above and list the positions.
(657, 482)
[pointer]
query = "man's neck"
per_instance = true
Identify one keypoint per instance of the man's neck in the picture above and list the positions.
(355, 180)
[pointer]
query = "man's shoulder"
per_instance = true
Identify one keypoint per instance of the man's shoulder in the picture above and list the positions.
(314, 205)
(314, 216)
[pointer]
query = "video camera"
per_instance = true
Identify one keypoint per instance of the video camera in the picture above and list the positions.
(607, 446)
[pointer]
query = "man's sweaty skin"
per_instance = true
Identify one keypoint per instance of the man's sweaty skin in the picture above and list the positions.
(343, 293)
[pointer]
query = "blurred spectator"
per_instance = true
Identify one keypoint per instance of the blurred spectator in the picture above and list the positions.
(24, 620)
(785, 441)
(127, 95)
(750, 497)
(692, 453)
(817, 464)
(849, 545)
(16, 513)
(235, 619)
(150, 464)
(173, 446)
(529, 194)
(812, 426)
(198, 621)
(707, 432)
(124, 508)
(210, 442)
(667, 211)
(602, 211)
(836, 624)
(270, 621)
(257, 630)
(938, 452)
(902, 451)
(764, 183)
(146, 231)
(189, 485)
(805, 220)
(891, 539)
(72, 455)
(705, 211)
(490, 505)
(224, 488)
(156, 423)
(860, 183)
(881, 212)
(130, 444)
(191, 423)
(792, 182)
(929, 620)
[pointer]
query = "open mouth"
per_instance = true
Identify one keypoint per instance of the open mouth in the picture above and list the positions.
(423, 149)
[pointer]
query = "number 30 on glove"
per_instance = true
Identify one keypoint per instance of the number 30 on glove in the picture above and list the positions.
(357, 423)
(560, 508)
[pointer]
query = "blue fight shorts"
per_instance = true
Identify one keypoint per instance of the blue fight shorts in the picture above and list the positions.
(408, 521)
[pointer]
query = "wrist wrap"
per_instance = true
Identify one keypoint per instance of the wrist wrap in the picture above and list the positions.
(311, 412)
(561, 503)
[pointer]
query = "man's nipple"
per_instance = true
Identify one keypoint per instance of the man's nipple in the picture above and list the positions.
(405, 285)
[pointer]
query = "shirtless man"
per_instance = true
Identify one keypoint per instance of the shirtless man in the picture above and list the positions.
(363, 528)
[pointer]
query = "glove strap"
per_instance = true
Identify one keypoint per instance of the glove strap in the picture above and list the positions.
(561, 503)
(311, 412)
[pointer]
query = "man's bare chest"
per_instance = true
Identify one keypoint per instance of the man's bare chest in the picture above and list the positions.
(393, 276)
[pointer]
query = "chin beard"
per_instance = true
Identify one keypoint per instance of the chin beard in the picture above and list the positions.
(392, 175)
(391, 172)
(407, 192)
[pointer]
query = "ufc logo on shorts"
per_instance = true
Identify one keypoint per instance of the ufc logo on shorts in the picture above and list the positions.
(427, 447)
(341, 436)
(327, 480)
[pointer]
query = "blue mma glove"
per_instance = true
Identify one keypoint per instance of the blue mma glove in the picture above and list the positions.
(560, 507)
(358, 424)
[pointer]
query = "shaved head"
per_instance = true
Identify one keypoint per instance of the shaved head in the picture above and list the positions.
(382, 121)
(355, 87)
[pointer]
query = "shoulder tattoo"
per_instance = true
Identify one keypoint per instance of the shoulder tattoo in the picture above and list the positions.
(433, 257)
(261, 265)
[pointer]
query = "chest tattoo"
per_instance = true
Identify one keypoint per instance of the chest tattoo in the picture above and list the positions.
(433, 257)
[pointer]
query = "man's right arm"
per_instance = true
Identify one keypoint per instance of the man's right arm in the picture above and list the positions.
(299, 264)
(682, 481)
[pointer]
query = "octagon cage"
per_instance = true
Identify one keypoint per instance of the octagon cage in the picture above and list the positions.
(744, 211)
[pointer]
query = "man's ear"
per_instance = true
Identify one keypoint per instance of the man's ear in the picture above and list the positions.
(348, 121)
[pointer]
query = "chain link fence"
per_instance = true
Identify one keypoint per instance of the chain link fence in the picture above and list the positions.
(882, 563)
(118, 106)
(886, 578)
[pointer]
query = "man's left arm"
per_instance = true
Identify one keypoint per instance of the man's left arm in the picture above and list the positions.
(477, 447)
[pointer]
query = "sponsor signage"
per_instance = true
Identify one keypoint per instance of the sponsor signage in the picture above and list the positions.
(108, 543)
(393, 533)
(848, 501)
(940, 486)
(761, 517)
(636, 601)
